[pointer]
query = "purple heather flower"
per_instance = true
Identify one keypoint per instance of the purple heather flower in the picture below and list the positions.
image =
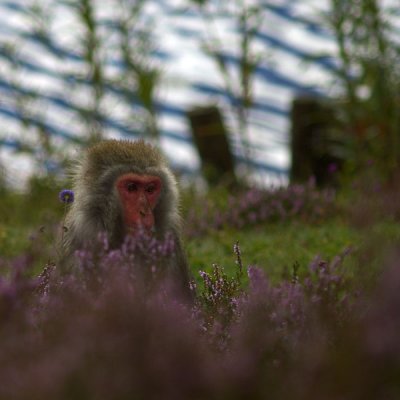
(66, 196)
(332, 168)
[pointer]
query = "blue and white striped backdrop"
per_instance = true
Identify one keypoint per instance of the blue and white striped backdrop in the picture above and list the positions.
(294, 47)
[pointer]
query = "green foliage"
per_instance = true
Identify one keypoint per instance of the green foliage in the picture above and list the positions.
(28, 220)
(95, 64)
(247, 20)
(33, 220)
(274, 247)
(139, 78)
(370, 76)
(87, 86)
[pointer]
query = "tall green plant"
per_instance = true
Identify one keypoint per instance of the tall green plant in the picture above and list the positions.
(238, 83)
(140, 76)
(370, 75)
(35, 139)
(125, 35)
(94, 59)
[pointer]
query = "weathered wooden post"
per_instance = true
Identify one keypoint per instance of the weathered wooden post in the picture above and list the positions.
(211, 140)
(314, 149)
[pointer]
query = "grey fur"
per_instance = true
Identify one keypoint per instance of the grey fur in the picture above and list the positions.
(96, 207)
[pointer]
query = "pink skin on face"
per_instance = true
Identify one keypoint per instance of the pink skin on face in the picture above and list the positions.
(139, 195)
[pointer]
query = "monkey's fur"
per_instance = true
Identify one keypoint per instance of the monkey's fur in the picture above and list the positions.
(97, 208)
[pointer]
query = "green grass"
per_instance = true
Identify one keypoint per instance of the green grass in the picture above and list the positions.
(274, 247)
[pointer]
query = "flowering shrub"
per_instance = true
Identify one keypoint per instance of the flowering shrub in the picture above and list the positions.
(375, 200)
(311, 337)
(141, 256)
(256, 206)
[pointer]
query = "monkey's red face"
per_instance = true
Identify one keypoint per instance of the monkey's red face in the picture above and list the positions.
(139, 195)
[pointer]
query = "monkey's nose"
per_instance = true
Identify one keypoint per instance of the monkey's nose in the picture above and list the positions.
(142, 213)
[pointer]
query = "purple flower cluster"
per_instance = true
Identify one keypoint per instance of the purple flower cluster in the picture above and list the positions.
(375, 201)
(142, 256)
(256, 206)
(311, 336)
(66, 196)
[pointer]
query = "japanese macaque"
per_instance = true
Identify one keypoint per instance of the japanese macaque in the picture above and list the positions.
(121, 187)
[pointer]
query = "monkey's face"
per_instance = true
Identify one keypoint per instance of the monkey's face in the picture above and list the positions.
(138, 195)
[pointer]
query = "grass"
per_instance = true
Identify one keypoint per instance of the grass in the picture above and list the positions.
(274, 247)
(29, 222)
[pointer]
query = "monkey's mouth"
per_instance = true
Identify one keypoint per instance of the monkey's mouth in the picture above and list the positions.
(140, 221)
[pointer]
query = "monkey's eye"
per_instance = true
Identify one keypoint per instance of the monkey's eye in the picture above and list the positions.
(132, 187)
(151, 188)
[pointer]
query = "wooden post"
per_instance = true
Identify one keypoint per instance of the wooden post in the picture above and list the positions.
(210, 138)
(314, 148)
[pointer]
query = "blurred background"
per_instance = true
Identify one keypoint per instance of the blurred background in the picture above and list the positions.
(269, 91)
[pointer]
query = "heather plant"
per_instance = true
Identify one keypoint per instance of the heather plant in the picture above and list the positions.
(217, 302)
(14, 286)
(257, 206)
(375, 200)
(61, 337)
(143, 258)
(116, 327)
